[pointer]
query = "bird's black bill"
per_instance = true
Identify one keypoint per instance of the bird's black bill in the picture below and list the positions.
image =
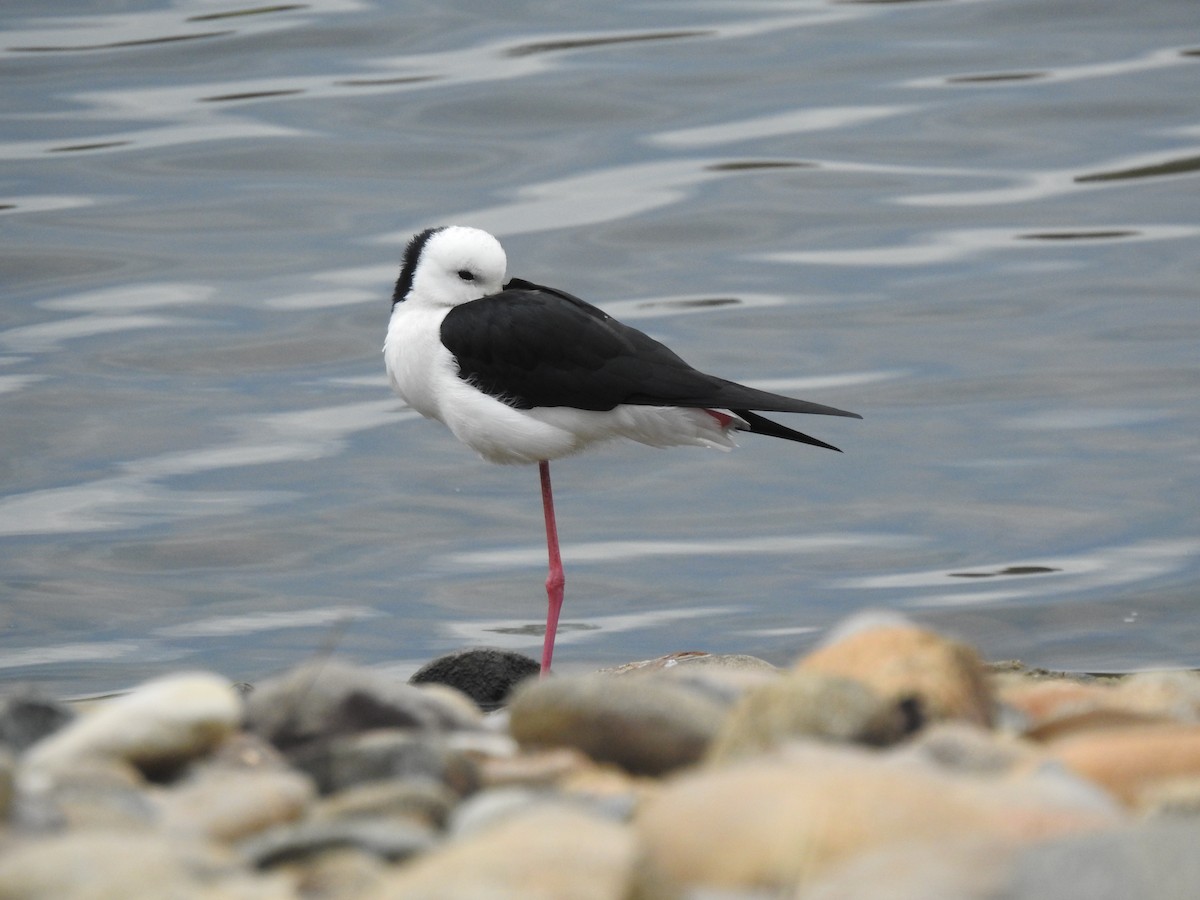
(762, 425)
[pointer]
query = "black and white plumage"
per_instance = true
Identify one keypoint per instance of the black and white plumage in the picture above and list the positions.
(523, 373)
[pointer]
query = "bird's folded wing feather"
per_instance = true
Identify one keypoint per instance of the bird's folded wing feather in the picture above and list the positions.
(533, 346)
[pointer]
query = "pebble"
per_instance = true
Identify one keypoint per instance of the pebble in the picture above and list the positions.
(384, 754)
(27, 716)
(901, 662)
(779, 822)
(155, 728)
(648, 725)
(1138, 765)
(381, 837)
(230, 804)
(328, 698)
(485, 674)
(807, 704)
(93, 864)
(547, 853)
(888, 764)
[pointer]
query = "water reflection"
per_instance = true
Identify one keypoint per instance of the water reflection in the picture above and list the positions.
(613, 551)
(1040, 579)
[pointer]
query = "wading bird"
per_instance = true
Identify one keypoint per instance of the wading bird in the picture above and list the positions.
(523, 373)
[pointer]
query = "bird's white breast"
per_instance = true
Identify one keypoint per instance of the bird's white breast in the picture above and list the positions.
(419, 367)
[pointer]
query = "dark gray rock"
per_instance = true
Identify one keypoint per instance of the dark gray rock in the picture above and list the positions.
(27, 716)
(386, 753)
(485, 674)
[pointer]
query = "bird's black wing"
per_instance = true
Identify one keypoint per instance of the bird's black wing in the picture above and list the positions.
(533, 346)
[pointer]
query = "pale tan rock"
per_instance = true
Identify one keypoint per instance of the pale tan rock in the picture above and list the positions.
(805, 704)
(902, 662)
(547, 853)
(534, 768)
(91, 864)
(1136, 764)
(777, 823)
(343, 872)
(1172, 694)
(1056, 708)
(693, 659)
(956, 868)
(157, 726)
(229, 804)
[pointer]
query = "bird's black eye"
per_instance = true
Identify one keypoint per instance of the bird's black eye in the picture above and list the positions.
(466, 274)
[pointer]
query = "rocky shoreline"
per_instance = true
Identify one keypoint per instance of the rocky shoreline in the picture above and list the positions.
(890, 762)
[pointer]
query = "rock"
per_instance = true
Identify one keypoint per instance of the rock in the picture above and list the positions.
(536, 768)
(489, 808)
(1171, 694)
(1152, 860)
(27, 716)
(806, 704)
(92, 794)
(91, 864)
(548, 853)
(8, 777)
(340, 872)
(693, 659)
(227, 804)
(327, 699)
(1054, 709)
(485, 674)
(1136, 764)
(969, 749)
(956, 868)
(387, 753)
(421, 801)
(383, 838)
(902, 662)
(156, 728)
(775, 823)
(648, 725)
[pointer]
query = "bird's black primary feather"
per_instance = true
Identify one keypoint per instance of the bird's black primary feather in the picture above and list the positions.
(532, 346)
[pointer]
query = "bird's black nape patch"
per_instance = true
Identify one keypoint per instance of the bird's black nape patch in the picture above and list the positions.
(412, 254)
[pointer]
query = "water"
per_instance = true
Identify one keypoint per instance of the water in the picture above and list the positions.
(975, 223)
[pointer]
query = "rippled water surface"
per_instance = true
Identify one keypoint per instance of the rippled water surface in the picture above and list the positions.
(975, 223)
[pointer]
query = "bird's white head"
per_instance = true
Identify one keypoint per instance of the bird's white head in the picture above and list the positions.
(450, 265)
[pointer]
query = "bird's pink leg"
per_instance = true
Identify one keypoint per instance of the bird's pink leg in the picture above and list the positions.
(555, 580)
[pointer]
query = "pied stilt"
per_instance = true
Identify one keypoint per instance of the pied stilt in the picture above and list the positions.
(525, 374)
